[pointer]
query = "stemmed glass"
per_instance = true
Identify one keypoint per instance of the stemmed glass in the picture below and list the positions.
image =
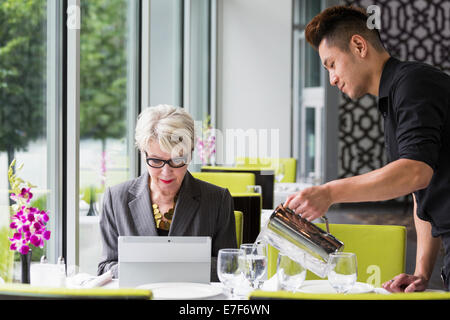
(342, 271)
(279, 175)
(254, 263)
(290, 273)
(254, 189)
(229, 269)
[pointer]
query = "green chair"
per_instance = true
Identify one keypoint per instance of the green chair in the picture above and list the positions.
(263, 178)
(249, 204)
(235, 182)
(18, 291)
(239, 219)
(290, 165)
(380, 251)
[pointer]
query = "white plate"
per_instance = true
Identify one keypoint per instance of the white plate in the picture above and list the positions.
(323, 286)
(181, 290)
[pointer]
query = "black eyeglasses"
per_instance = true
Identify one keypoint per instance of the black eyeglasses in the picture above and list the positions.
(174, 163)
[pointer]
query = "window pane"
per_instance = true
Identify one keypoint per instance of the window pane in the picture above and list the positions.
(25, 128)
(312, 67)
(199, 68)
(310, 147)
(199, 59)
(313, 64)
(308, 10)
(105, 134)
(166, 52)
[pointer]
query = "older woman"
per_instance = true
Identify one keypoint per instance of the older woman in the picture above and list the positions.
(165, 200)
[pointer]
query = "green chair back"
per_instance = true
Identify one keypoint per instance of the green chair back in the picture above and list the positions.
(247, 204)
(290, 165)
(235, 182)
(239, 218)
(25, 291)
(380, 251)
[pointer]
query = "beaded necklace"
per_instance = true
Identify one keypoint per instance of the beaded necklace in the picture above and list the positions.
(160, 223)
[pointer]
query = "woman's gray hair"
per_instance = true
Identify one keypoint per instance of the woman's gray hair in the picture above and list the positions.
(171, 126)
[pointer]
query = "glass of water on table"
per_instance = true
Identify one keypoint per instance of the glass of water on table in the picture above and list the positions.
(342, 271)
(229, 269)
(290, 273)
(254, 263)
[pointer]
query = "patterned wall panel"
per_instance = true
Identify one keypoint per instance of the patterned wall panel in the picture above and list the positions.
(410, 30)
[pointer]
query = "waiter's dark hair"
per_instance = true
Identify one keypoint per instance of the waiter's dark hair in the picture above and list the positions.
(338, 24)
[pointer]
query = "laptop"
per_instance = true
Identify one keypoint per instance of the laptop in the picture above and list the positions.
(144, 260)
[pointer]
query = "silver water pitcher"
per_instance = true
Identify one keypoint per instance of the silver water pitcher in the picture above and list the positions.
(300, 239)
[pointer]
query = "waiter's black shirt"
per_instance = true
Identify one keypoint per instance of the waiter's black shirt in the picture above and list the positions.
(414, 99)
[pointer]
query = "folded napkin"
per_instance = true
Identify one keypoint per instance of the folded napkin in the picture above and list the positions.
(85, 280)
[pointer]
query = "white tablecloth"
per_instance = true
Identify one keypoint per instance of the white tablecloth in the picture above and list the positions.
(283, 190)
(269, 285)
(242, 293)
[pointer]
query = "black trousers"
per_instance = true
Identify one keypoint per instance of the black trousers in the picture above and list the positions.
(445, 271)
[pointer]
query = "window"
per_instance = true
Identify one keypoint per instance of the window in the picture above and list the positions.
(108, 107)
(166, 52)
(70, 96)
(200, 64)
(30, 100)
(199, 59)
(181, 58)
(314, 103)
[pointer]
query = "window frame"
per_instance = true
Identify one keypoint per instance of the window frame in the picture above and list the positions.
(56, 50)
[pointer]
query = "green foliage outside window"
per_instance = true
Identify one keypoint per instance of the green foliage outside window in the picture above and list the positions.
(22, 74)
(103, 76)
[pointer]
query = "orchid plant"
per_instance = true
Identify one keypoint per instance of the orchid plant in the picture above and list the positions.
(27, 223)
(206, 143)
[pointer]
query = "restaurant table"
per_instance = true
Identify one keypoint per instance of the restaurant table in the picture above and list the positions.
(269, 285)
(114, 284)
(242, 292)
(284, 190)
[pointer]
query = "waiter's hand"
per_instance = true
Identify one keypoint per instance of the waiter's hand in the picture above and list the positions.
(406, 283)
(310, 203)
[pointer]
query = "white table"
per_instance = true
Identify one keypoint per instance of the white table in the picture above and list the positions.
(283, 190)
(270, 285)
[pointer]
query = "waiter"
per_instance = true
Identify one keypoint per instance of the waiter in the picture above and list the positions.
(414, 100)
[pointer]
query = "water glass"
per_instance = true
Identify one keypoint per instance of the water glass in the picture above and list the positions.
(254, 189)
(229, 269)
(255, 263)
(342, 271)
(279, 174)
(291, 274)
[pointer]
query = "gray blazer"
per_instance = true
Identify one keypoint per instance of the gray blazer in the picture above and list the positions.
(202, 209)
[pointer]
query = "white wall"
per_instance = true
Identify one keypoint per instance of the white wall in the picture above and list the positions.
(254, 68)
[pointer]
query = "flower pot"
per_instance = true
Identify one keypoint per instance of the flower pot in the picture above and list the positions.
(25, 261)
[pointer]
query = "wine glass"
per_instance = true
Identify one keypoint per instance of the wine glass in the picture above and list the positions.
(254, 263)
(254, 189)
(291, 274)
(279, 175)
(342, 271)
(229, 269)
